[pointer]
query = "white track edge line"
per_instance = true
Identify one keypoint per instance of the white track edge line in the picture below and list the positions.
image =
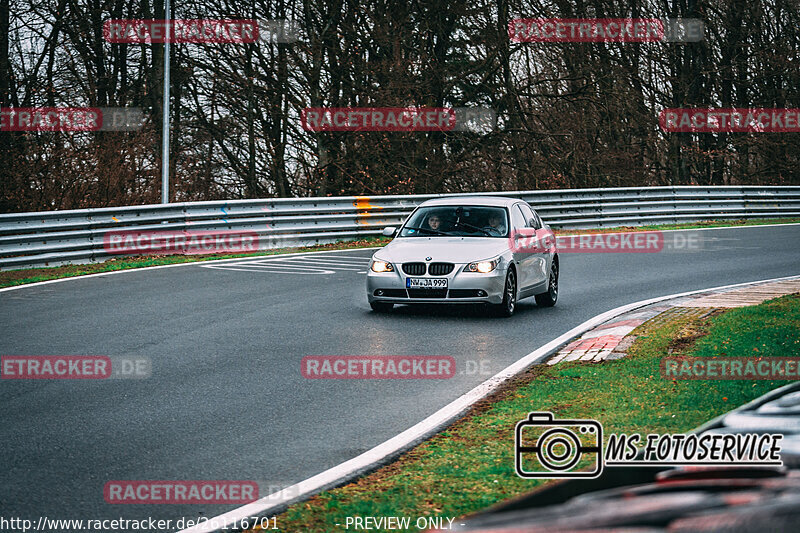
(429, 425)
(189, 263)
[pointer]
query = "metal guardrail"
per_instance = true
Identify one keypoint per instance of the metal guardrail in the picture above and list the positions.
(52, 238)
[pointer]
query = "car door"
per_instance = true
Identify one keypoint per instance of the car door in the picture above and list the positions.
(539, 266)
(524, 257)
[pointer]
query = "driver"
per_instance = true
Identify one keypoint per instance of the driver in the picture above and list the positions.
(496, 225)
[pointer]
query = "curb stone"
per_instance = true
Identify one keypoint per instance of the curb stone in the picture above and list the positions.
(611, 340)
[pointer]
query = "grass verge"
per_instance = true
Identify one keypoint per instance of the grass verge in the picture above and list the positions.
(471, 466)
(11, 278)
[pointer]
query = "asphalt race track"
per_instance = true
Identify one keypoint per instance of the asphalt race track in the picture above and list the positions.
(226, 399)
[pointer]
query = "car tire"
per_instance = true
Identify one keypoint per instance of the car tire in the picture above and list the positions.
(549, 298)
(509, 304)
(381, 307)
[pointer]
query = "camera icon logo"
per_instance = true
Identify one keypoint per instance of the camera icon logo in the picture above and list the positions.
(549, 448)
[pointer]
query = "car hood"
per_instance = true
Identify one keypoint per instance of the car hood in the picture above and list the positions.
(444, 249)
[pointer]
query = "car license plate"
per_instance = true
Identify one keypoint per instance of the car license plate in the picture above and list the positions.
(426, 283)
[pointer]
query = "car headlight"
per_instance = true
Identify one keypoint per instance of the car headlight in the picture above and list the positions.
(483, 267)
(381, 266)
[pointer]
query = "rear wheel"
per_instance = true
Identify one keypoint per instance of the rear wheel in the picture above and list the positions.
(509, 304)
(381, 307)
(549, 298)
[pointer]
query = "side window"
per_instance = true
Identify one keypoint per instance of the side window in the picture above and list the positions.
(517, 218)
(530, 215)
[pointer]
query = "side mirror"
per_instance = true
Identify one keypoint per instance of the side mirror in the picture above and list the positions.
(388, 231)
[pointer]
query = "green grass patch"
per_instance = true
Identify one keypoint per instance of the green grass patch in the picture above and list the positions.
(32, 275)
(771, 329)
(471, 465)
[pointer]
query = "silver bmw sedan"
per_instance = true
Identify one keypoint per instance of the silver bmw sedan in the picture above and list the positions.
(468, 249)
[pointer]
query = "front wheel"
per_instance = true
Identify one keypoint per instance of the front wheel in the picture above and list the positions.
(381, 307)
(509, 304)
(549, 298)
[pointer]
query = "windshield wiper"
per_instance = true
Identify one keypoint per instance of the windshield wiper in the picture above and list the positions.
(436, 231)
(470, 226)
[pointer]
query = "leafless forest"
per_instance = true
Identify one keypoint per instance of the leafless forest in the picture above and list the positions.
(569, 114)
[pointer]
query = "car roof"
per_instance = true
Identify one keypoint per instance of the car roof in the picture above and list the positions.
(495, 201)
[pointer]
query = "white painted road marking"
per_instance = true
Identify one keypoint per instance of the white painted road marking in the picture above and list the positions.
(298, 265)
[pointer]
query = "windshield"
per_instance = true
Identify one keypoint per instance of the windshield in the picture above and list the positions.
(457, 220)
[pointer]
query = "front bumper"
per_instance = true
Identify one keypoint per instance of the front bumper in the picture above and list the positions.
(462, 287)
